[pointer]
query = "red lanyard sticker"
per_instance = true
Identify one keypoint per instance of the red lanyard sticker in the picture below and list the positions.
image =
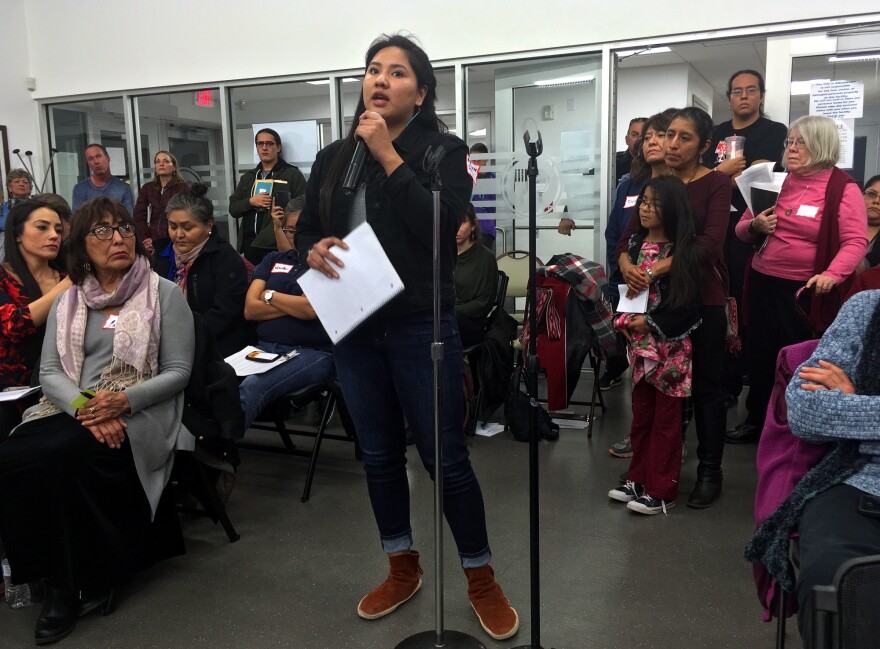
(630, 201)
(282, 268)
(110, 322)
(473, 169)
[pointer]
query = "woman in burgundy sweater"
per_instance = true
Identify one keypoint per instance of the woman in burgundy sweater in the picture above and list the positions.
(687, 139)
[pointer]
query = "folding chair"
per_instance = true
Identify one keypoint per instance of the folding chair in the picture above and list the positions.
(845, 613)
(327, 393)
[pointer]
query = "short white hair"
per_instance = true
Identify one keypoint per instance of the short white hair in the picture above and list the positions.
(821, 140)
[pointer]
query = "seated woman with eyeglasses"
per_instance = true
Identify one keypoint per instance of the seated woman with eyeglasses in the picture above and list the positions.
(81, 478)
(287, 323)
(872, 206)
(207, 269)
(284, 234)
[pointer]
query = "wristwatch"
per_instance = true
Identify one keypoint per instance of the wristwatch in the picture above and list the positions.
(267, 297)
(648, 272)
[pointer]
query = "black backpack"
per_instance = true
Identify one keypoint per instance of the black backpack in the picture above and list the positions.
(516, 412)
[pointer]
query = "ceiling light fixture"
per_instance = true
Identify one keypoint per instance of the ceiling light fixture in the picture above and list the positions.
(566, 81)
(849, 58)
(642, 51)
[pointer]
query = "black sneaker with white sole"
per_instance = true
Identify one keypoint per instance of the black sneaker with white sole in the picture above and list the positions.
(627, 492)
(606, 382)
(645, 504)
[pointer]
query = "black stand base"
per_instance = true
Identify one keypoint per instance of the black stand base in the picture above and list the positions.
(451, 640)
(526, 646)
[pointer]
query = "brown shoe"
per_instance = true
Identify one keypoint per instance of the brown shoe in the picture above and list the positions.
(403, 581)
(496, 615)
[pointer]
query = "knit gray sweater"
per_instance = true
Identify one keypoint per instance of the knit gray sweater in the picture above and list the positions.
(830, 415)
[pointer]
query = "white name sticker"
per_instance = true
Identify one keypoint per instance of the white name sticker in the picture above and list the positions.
(473, 169)
(810, 211)
(110, 322)
(282, 268)
(630, 202)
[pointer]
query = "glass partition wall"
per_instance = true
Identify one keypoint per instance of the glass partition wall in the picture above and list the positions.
(72, 126)
(188, 124)
(561, 99)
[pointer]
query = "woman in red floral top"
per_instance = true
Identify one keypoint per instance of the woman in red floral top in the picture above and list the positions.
(28, 286)
(659, 344)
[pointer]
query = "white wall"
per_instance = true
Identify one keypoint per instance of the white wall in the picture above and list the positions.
(18, 111)
(641, 92)
(93, 46)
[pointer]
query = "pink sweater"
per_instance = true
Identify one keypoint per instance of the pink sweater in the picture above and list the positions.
(791, 251)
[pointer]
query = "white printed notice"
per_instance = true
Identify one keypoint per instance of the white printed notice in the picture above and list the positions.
(846, 129)
(837, 99)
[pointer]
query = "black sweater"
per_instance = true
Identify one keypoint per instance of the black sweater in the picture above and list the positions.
(215, 288)
(400, 210)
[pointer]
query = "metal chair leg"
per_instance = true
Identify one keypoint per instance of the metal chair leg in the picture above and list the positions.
(218, 509)
(780, 620)
(316, 449)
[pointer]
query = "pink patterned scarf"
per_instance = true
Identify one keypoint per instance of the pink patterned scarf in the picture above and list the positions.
(136, 337)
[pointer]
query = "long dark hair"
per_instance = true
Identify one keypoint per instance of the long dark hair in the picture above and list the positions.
(426, 117)
(641, 170)
(678, 223)
(83, 220)
(18, 216)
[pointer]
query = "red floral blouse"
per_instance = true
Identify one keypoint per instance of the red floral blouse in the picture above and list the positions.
(17, 333)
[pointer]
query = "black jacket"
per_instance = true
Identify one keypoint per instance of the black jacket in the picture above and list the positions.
(665, 322)
(215, 288)
(400, 210)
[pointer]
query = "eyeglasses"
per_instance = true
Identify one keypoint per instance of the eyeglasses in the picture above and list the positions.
(751, 91)
(798, 143)
(105, 232)
(289, 231)
(266, 143)
(650, 207)
(871, 195)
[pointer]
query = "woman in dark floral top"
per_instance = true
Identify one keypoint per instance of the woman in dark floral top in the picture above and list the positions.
(28, 286)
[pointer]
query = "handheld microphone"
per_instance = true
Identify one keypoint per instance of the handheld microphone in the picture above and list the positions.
(355, 168)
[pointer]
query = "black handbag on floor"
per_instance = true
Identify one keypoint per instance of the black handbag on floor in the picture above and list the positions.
(516, 412)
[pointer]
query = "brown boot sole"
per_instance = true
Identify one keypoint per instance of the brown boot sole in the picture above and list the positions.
(503, 636)
(376, 616)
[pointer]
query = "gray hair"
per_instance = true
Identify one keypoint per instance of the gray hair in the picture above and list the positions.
(18, 173)
(820, 139)
(195, 202)
(295, 205)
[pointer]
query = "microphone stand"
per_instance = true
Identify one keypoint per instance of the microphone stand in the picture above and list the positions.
(438, 637)
(534, 149)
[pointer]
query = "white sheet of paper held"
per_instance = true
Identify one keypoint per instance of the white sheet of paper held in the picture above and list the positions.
(637, 304)
(366, 283)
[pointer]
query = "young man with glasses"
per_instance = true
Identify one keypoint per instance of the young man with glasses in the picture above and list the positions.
(763, 143)
(252, 208)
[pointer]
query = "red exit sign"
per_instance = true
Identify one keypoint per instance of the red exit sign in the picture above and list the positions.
(205, 98)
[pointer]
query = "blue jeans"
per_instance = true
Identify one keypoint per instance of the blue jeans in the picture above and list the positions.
(259, 390)
(386, 373)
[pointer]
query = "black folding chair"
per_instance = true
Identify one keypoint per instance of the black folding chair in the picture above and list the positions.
(328, 394)
(845, 613)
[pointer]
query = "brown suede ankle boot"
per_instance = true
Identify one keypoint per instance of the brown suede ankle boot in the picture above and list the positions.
(497, 616)
(403, 581)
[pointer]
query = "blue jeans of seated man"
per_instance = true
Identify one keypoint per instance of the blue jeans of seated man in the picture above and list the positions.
(259, 390)
(386, 373)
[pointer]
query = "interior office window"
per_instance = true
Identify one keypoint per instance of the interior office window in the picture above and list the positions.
(826, 84)
(350, 92)
(187, 124)
(299, 111)
(560, 97)
(74, 125)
